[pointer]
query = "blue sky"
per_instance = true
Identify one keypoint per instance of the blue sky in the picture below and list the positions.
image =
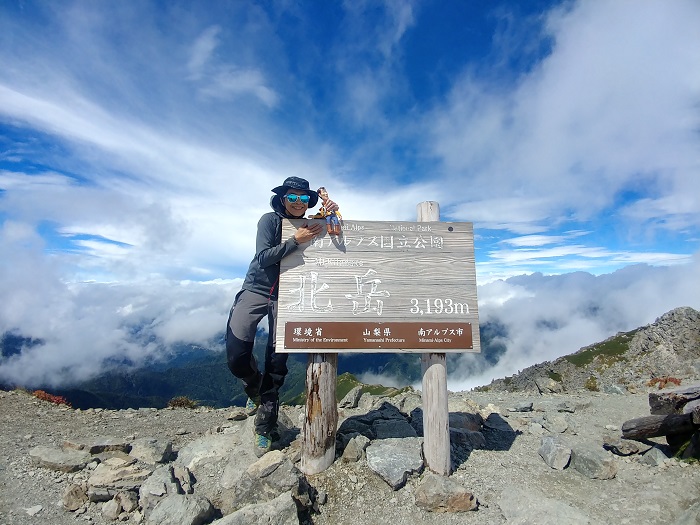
(139, 142)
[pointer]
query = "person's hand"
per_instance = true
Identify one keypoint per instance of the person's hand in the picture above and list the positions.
(306, 232)
(331, 206)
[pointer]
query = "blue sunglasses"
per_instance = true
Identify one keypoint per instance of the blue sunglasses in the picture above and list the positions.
(293, 198)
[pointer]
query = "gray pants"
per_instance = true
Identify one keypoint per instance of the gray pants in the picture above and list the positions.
(247, 311)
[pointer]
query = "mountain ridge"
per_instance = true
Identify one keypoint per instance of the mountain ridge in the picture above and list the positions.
(627, 361)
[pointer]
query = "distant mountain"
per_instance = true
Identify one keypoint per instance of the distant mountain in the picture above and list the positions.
(667, 348)
(12, 344)
(201, 374)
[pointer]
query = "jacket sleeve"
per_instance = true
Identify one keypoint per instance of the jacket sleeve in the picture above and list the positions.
(269, 248)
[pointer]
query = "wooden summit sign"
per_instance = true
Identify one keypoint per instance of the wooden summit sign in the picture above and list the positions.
(380, 287)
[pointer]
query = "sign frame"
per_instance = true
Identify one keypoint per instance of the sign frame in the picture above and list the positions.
(380, 286)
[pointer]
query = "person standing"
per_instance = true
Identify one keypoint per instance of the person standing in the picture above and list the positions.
(258, 298)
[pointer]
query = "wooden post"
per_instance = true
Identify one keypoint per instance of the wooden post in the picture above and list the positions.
(321, 421)
(436, 429)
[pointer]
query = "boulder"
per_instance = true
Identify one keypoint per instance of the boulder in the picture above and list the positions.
(555, 453)
(395, 459)
(63, 460)
(441, 494)
(181, 509)
(593, 462)
(151, 450)
(279, 511)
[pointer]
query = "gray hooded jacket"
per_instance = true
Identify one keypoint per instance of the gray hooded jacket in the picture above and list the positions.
(264, 270)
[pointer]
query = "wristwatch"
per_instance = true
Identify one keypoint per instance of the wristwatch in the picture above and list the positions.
(295, 240)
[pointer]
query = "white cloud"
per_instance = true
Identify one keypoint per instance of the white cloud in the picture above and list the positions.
(202, 50)
(612, 108)
(144, 158)
(546, 317)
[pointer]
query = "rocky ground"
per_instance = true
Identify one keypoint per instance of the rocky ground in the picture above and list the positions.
(508, 478)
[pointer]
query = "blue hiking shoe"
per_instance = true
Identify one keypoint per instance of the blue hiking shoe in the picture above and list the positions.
(262, 445)
(251, 405)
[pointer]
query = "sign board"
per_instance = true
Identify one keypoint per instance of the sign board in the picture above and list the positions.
(380, 287)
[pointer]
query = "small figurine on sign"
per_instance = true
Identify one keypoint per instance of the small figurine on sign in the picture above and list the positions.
(332, 217)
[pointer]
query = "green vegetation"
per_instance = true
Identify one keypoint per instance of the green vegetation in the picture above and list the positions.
(695, 458)
(346, 382)
(591, 384)
(555, 376)
(607, 352)
(182, 402)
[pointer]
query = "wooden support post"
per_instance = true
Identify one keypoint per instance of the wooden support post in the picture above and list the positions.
(436, 426)
(321, 421)
(659, 425)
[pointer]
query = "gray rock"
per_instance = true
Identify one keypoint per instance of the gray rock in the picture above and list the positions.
(416, 420)
(384, 411)
(264, 480)
(555, 423)
(279, 511)
(466, 421)
(184, 478)
(74, 497)
(615, 389)
(566, 406)
(111, 509)
(624, 447)
(63, 460)
(593, 462)
(690, 406)
(186, 509)
(158, 485)
(499, 435)
(441, 494)
(352, 398)
(535, 428)
(237, 414)
(408, 401)
(367, 401)
(353, 426)
(33, 511)
(151, 450)
(114, 455)
(355, 449)
(393, 428)
(547, 385)
(208, 449)
(691, 516)
(97, 494)
(395, 459)
(128, 500)
(467, 438)
(655, 457)
(555, 453)
(522, 406)
(98, 444)
(116, 477)
(525, 507)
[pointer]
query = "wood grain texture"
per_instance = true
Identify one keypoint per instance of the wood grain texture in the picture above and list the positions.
(436, 417)
(659, 425)
(321, 413)
(381, 271)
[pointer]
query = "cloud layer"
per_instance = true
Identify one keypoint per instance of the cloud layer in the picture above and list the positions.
(139, 142)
